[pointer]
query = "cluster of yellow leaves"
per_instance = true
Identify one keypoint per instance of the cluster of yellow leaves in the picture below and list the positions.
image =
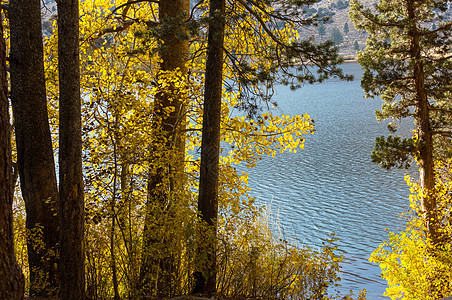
(414, 267)
(267, 136)
(120, 80)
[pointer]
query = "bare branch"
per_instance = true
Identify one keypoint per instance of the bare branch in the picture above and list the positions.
(125, 24)
(193, 10)
(128, 3)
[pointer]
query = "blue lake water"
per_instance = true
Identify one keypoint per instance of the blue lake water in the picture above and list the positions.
(332, 185)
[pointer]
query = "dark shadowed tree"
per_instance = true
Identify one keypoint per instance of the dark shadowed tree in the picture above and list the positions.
(11, 278)
(205, 278)
(71, 208)
(34, 146)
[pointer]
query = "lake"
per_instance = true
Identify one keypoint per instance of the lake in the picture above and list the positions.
(332, 185)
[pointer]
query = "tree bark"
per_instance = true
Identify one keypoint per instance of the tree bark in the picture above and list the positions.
(205, 278)
(11, 278)
(113, 215)
(167, 162)
(426, 163)
(71, 210)
(34, 146)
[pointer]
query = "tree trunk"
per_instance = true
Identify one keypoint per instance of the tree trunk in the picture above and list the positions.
(167, 161)
(34, 146)
(11, 278)
(175, 56)
(205, 278)
(71, 210)
(113, 215)
(426, 163)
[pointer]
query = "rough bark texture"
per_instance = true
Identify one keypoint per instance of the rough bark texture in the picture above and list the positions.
(11, 278)
(174, 55)
(34, 146)
(167, 161)
(426, 163)
(71, 210)
(205, 279)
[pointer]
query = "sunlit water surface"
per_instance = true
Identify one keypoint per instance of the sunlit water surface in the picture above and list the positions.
(332, 185)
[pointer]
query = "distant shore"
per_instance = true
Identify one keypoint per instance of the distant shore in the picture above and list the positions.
(349, 59)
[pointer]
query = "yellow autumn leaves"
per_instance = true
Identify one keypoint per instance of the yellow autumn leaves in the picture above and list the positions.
(414, 267)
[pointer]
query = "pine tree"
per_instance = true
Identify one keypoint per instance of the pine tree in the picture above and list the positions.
(287, 51)
(34, 145)
(321, 29)
(346, 29)
(409, 66)
(356, 46)
(165, 181)
(71, 211)
(210, 147)
(336, 36)
(11, 278)
(257, 54)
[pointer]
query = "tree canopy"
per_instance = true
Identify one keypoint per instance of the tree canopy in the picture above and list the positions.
(407, 62)
(141, 85)
(408, 65)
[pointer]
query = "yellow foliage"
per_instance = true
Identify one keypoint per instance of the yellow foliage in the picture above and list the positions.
(120, 81)
(413, 266)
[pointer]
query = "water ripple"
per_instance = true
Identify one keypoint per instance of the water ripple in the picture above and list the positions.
(331, 185)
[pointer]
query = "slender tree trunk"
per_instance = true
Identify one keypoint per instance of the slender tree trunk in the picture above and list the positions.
(426, 163)
(205, 278)
(126, 227)
(113, 213)
(165, 182)
(11, 278)
(112, 249)
(70, 155)
(34, 146)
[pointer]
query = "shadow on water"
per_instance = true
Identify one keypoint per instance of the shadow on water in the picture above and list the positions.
(332, 185)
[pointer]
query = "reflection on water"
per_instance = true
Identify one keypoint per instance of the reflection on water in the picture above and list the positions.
(331, 185)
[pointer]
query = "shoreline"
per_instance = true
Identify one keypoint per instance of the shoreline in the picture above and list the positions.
(349, 58)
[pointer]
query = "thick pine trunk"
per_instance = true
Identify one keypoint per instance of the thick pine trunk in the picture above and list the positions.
(11, 277)
(34, 146)
(165, 182)
(71, 210)
(426, 163)
(205, 278)
(174, 56)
